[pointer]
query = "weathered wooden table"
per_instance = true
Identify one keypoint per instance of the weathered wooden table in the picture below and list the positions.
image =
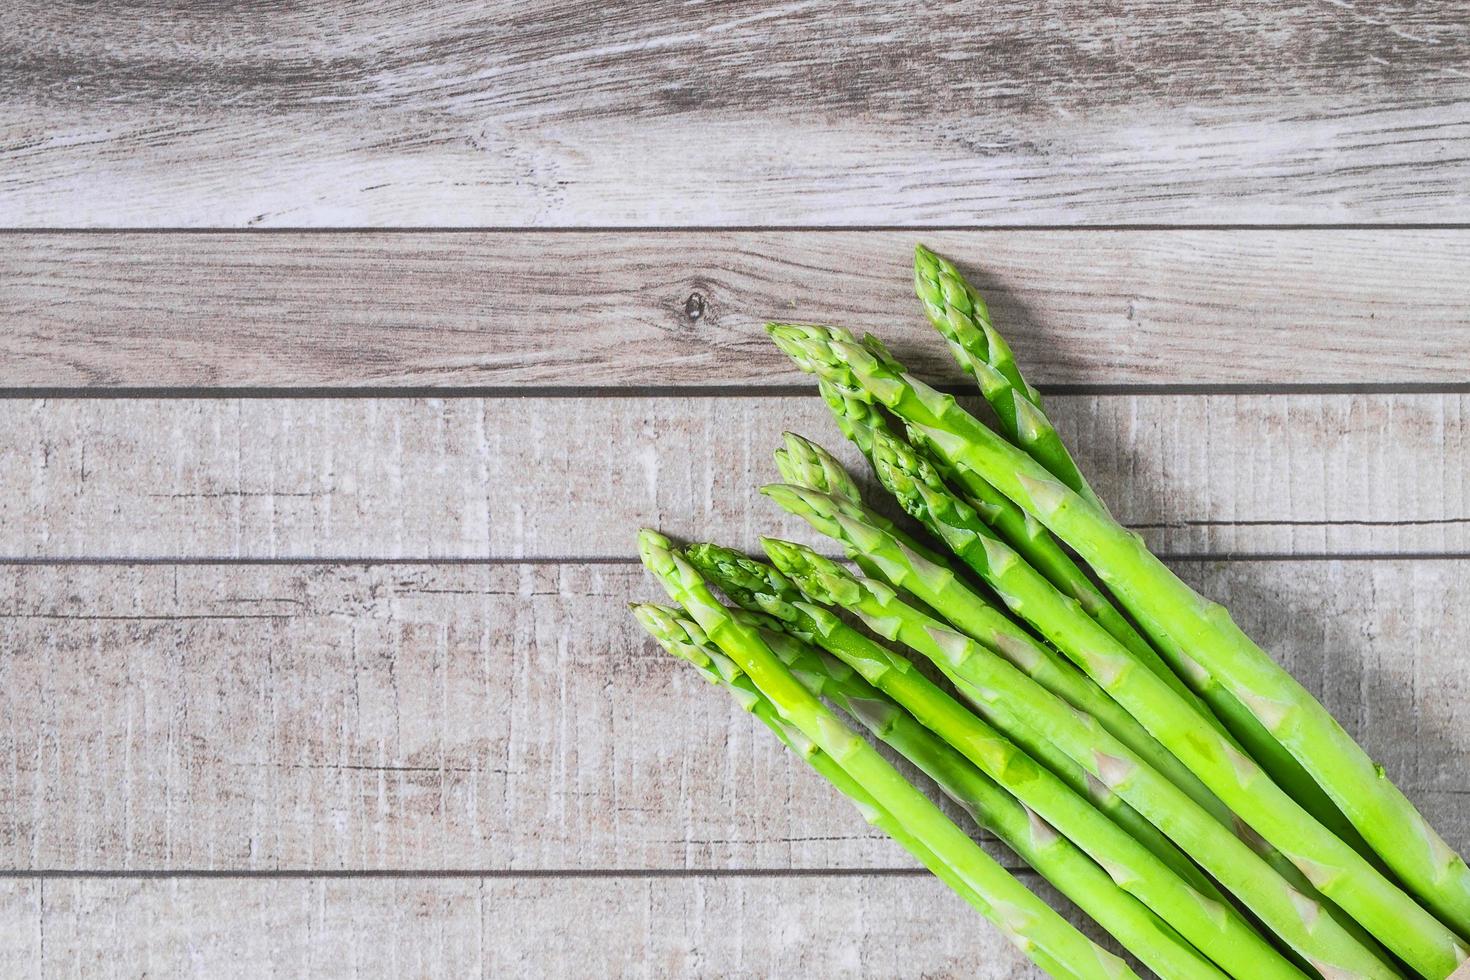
(344, 347)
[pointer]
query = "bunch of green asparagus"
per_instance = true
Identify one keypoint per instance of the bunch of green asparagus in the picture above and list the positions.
(1079, 702)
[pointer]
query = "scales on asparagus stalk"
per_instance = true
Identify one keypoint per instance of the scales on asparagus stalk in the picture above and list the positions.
(949, 300)
(859, 420)
(685, 640)
(924, 495)
(1376, 807)
(960, 315)
(984, 677)
(1199, 913)
(939, 588)
(1036, 928)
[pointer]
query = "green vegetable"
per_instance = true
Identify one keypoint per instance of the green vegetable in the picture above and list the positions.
(807, 464)
(962, 606)
(959, 314)
(1058, 860)
(1205, 919)
(860, 421)
(923, 493)
(1376, 807)
(755, 585)
(883, 557)
(803, 463)
(958, 522)
(685, 640)
(985, 678)
(1037, 929)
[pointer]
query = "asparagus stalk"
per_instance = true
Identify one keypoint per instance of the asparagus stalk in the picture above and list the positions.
(803, 463)
(1201, 914)
(966, 609)
(685, 640)
(960, 315)
(860, 421)
(984, 677)
(924, 495)
(958, 312)
(1376, 807)
(1034, 926)
(755, 585)
(1077, 876)
(954, 600)
(806, 464)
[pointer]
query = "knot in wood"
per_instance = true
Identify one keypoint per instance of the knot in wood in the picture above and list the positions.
(694, 307)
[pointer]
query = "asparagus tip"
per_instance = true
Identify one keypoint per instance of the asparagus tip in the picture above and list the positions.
(778, 491)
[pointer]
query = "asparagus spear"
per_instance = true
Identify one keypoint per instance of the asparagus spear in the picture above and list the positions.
(804, 463)
(986, 678)
(1157, 944)
(960, 315)
(1376, 807)
(755, 585)
(958, 312)
(924, 495)
(1200, 913)
(955, 601)
(860, 421)
(685, 640)
(1034, 926)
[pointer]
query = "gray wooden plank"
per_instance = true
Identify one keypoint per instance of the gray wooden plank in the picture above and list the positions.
(495, 927)
(20, 929)
(636, 309)
(576, 113)
(576, 477)
(415, 717)
(404, 717)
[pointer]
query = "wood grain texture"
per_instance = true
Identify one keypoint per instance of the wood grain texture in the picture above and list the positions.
(405, 717)
(575, 478)
(637, 309)
(488, 927)
(21, 931)
(648, 113)
(481, 718)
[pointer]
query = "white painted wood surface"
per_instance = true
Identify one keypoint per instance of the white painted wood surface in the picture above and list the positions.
(513, 718)
(576, 477)
(495, 927)
(647, 113)
(574, 310)
(298, 642)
